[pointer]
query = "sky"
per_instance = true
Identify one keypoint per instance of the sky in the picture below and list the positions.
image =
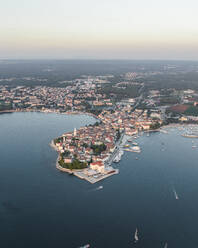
(99, 29)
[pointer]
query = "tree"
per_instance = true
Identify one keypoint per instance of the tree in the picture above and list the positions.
(155, 125)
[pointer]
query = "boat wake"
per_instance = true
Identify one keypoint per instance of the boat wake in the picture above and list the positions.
(95, 189)
(166, 245)
(136, 238)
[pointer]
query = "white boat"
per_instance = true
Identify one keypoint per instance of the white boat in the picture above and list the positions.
(135, 149)
(135, 144)
(118, 156)
(194, 146)
(100, 187)
(85, 246)
(166, 245)
(136, 236)
(175, 193)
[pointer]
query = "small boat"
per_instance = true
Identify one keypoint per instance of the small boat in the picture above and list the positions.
(166, 245)
(194, 146)
(136, 236)
(135, 144)
(176, 195)
(135, 149)
(136, 158)
(85, 246)
(100, 187)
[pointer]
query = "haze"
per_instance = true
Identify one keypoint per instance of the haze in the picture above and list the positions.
(99, 29)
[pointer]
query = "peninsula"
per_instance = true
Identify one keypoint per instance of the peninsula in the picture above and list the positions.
(88, 152)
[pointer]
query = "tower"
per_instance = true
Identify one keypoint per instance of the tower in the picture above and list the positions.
(75, 132)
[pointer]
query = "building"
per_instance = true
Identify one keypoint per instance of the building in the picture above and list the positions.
(98, 166)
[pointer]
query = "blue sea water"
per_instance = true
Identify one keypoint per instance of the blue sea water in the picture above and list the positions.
(42, 207)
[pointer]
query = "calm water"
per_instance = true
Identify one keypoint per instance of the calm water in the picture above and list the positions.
(42, 207)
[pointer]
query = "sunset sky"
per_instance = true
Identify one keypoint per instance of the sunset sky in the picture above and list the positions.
(99, 29)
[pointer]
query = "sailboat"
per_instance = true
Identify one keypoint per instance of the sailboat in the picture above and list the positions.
(136, 236)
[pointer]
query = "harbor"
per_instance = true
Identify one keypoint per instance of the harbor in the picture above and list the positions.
(100, 171)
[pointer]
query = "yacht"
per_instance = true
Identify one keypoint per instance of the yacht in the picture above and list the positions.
(135, 149)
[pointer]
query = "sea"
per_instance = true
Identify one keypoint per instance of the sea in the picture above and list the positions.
(155, 193)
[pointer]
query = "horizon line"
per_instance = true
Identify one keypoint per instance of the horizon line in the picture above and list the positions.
(96, 59)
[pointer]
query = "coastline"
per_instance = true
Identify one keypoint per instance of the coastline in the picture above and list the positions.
(49, 112)
(80, 173)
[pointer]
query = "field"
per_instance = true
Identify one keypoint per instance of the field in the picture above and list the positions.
(180, 108)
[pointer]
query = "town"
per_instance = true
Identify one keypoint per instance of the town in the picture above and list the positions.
(89, 151)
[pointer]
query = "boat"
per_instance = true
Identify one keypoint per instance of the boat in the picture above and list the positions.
(135, 149)
(134, 144)
(136, 236)
(166, 245)
(194, 146)
(128, 150)
(100, 187)
(118, 156)
(85, 246)
(191, 135)
(136, 158)
(116, 159)
(176, 195)
(121, 152)
(127, 145)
